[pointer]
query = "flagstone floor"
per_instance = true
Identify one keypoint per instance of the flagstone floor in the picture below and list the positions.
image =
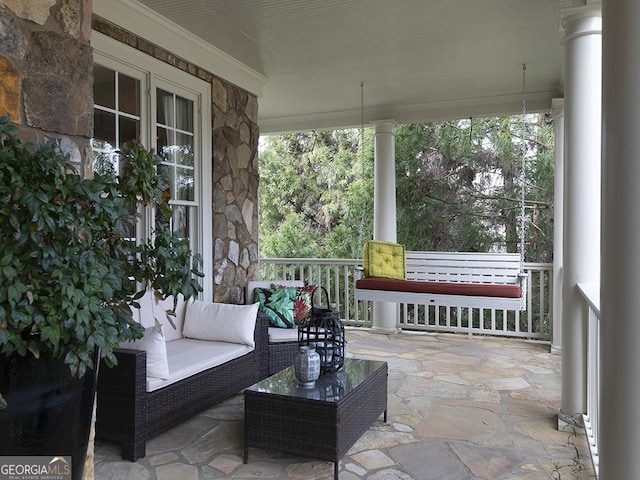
(460, 408)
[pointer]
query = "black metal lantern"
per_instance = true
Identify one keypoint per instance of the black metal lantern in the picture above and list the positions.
(325, 331)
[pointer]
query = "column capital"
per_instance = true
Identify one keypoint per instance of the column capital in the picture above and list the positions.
(557, 107)
(579, 21)
(382, 125)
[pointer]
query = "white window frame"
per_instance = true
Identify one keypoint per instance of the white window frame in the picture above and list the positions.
(153, 74)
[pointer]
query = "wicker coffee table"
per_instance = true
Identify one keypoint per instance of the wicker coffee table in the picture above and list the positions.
(322, 422)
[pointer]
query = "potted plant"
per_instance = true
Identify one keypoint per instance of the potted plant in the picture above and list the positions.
(69, 274)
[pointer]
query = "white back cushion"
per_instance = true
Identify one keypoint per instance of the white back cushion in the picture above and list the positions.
(222, 322)
(153, 343)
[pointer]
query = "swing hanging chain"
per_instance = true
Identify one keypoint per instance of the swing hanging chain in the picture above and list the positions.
(523, 219)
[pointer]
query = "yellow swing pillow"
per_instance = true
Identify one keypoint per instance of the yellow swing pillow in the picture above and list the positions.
(384, 259)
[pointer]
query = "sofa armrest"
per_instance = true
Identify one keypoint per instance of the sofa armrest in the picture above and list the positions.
(121, 412)
(262, 345)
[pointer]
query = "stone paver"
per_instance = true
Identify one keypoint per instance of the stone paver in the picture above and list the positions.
(372, 459)
(487, 462)
(459, 408)
(226, 463)
(430, 460)
(177, 470)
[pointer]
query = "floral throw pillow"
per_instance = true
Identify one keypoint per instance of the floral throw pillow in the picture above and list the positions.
(277, 304)
(302, 302)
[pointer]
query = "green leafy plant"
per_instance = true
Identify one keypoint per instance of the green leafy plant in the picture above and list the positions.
(69, 270)
(165, 263)
(577, 466)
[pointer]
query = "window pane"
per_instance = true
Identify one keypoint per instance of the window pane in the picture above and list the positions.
(169, 173)
(129, 130)
(104, 87)
(128, 94)
(184, 114)
(105, 159)
(164, 108)
(184, 184)
(185, 149)
(104, 126)
(184, 222)
(163, 140)
(169, 154)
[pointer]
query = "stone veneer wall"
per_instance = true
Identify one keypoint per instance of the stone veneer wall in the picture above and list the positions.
(235, 170)
(47, 82)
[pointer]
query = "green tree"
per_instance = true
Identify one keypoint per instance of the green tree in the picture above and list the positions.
(457, 188)
(314, 188)
(435, 173)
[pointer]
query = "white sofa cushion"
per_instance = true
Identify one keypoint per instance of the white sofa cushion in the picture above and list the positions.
(151, 310)
(222, 322)
(280, 335)
(187, 357)
(154, 344)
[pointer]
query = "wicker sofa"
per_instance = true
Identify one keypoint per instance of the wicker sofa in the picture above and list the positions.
(283, 342)
(134, 406)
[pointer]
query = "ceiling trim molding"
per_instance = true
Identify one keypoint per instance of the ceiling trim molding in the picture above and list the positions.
(426, 112)
(135, 17)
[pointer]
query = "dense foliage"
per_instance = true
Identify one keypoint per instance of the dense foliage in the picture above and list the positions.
(313, 189)
(457, 188)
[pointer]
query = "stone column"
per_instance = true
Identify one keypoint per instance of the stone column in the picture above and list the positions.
(557, 110)
(385, 314)
(619, 432)
(581, 220)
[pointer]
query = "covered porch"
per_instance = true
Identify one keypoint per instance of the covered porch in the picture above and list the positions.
(582, 59)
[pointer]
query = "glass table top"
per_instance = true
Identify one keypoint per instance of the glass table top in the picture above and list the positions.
(329, 388)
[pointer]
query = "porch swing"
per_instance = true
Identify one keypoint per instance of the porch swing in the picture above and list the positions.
(450, 279)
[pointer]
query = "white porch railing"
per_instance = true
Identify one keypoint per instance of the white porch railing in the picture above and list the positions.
(338, 277)
(591, 295)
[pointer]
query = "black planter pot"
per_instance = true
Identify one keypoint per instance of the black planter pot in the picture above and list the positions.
(49, 411)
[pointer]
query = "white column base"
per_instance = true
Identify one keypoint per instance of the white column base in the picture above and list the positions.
(556, 350)
(384, 331)
(385, 316)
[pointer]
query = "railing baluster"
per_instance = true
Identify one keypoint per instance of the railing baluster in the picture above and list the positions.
(590, 293)
(331, 272)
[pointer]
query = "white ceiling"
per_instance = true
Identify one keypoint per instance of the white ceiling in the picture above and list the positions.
(419, 59)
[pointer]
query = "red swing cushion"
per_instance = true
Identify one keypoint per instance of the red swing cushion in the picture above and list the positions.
(443, 288)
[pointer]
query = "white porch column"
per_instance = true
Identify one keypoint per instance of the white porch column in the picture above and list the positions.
(619, 433)
(557, 110)
(384, 211)
(581, 219)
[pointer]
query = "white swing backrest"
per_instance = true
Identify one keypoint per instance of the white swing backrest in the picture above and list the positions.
(464, 267)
